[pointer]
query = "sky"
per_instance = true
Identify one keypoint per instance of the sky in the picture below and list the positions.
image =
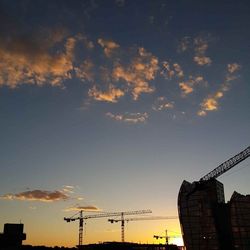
(107, 106)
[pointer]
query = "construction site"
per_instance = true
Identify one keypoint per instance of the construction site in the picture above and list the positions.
(207, 221)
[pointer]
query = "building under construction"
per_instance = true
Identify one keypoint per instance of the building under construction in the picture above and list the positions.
(207, 222)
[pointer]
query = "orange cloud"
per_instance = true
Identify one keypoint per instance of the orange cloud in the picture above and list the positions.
(201, 46)
(138, 73)
(161, 103)
(88, 208)
(85, 71)
(233, 67)
(202, 60)
(129, 117)
(111, 95)
(188, 86)
(108, 46)
(31, 60)
(211, 103)
(178, 70)
(37, 195)
(169, 71)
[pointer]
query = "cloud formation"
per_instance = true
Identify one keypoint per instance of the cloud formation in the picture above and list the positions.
(34, 60)
(137, 75)
(85, 71)
(87, 43)
(202, 60)
(52, 58)
(129, 117)
(233, 67)
(184, 44)
(87, 208)
(111, 95)
(169, 71)
(37, 195)
(162, 103)
(68, 189)
(201, 46)
(187, 87)
(108, 46)
(211, 102)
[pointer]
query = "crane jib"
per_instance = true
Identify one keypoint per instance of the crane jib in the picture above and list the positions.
(224, 167)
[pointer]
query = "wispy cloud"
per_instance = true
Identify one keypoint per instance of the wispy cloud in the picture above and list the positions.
(202, 60)
(178, 70)
(138, 73)
(200, 48)
(68, 189)
(111, 95)
(162, 103)
(69, 186)
(86, 41)
(233, 67)
(85, 70)
(129, 117)
(211, 102)
(37, 195)
(184, 44)
(86, 208)
(187, 87)
(108, 46)
(169, 70)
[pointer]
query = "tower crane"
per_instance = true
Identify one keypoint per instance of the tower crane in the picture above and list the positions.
(222, 168)
(225, 166)
(79, 216)
(167, 237)
(122, 220)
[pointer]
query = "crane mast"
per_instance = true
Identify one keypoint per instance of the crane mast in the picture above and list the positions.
(122, 220)
(80, 228)
(225, 166)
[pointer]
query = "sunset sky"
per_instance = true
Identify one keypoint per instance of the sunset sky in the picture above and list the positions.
(110, 105)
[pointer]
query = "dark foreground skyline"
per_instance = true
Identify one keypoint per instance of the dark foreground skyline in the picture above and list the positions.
(109, 105)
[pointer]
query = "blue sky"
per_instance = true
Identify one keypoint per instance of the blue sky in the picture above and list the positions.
(112, 104)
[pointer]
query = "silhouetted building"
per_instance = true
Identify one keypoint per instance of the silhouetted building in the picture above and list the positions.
(239, 206)
(196, 204)
(129, 246)
(208, 223)
(12, 236)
